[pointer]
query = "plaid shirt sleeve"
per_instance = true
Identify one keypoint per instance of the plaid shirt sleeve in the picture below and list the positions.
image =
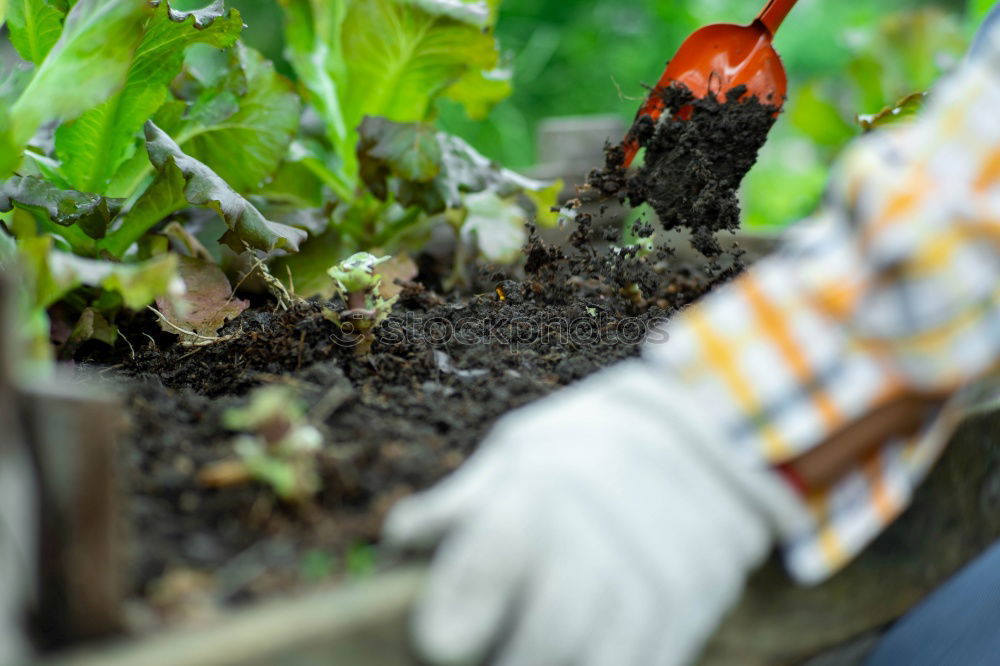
(893, 288)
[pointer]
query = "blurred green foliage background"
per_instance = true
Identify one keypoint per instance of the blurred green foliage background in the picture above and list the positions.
(575, 57)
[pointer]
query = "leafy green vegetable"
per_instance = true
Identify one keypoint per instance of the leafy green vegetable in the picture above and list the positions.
(494, 225)
(202, 187)
(93, 146)
(389, 58)
(163, 197)
(242, 127)
(34, 26)
(87, 200)
(83, 68)
(479, 91)
(281, 447)
(419, 166)
(91, 212)
(357, 273)
(92, 325)
(52, 274)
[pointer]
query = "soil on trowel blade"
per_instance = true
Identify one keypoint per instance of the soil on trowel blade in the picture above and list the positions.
(693, 167)
(439, 374)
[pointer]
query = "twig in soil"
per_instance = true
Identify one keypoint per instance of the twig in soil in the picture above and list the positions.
(174, 326)
(273, 284)
(190, 353)
(202, 339)
(331, 401)
(130, 347)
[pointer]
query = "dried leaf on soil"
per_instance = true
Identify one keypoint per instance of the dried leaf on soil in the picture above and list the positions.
(208, 301)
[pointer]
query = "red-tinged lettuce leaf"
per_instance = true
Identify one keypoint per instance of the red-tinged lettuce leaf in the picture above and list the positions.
(92, 213)
(418, 166)
(181, 181)
(93, 146)
(208, 301)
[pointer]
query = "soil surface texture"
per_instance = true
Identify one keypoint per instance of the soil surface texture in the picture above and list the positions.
(438, 375)
(693, 167)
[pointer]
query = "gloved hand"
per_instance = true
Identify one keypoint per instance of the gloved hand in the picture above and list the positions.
(607, 524)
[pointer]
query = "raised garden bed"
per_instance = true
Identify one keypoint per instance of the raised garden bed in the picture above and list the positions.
(362, 622)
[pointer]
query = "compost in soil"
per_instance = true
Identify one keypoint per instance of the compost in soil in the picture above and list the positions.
(441, 371)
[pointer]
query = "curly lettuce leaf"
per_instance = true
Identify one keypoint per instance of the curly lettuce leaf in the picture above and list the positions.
(84, 67)
(240, 125)
(93, 146)
(389, 58)
(92, 213)
(182, 181)
(416, 165)
(260, 115)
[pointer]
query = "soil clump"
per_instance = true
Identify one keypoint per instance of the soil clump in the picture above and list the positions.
(693, 167)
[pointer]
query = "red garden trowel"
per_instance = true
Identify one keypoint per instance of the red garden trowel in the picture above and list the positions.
(716, 59)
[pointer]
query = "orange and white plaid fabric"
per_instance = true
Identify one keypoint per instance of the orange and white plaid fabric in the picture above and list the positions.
(894, 286)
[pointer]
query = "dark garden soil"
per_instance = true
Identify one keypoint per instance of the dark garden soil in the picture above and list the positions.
(693, 167)
(440, 372)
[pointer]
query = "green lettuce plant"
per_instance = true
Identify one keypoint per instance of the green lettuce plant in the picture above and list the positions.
(142, 146)
(81, 205)
(371, 71)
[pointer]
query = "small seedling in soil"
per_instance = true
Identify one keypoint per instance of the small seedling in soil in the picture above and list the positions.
(278, 447)
(357, 284)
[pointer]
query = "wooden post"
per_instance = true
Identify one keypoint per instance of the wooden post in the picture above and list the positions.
(17, 507)
(71, 435)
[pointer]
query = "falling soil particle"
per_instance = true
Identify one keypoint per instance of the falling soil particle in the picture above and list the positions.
(693, 167)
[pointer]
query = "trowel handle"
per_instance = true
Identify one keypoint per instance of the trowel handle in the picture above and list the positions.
(774, 13)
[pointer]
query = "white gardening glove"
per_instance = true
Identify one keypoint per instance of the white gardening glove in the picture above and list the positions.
(16, 549)
(605, 525)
